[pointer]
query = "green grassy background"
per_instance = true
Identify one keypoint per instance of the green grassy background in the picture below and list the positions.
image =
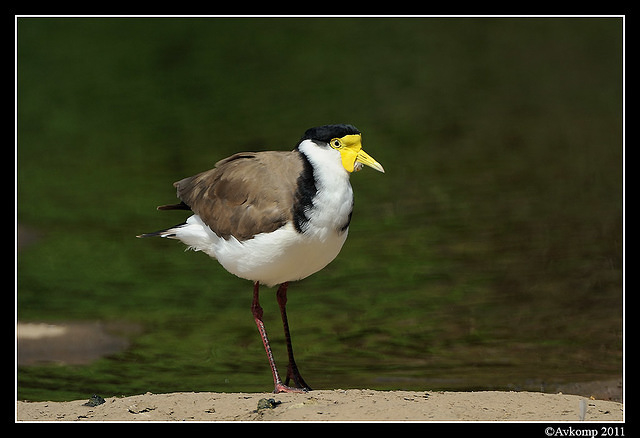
(488, 256)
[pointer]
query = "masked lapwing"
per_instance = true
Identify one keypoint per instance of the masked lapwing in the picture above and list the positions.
(275, 216)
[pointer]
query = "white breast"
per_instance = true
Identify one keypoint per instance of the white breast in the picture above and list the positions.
(270, 258)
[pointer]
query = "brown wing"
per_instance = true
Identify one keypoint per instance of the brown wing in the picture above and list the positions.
(245, 194)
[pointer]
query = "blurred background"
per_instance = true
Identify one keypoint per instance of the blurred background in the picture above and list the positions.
(488, 256)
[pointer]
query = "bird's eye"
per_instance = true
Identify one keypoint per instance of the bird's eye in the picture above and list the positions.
(336, 143)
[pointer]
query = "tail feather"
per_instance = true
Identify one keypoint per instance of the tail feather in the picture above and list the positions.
(171, 231)
(180, 206)
(168, 233)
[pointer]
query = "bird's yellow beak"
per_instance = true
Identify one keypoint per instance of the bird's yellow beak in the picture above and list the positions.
(353, 156)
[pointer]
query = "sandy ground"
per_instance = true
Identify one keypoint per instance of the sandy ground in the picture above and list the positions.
(333, 405)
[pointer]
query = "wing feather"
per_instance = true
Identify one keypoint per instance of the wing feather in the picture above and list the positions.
(246, 194)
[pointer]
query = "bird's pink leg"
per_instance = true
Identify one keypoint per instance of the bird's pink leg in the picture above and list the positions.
(256, 310)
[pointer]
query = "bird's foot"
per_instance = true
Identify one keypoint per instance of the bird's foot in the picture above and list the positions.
(293, 375)
(280, 387)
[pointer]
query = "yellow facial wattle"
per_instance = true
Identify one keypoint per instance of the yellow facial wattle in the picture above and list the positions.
(352, 154)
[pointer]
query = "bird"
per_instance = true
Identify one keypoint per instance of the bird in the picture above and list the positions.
(274, 217)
